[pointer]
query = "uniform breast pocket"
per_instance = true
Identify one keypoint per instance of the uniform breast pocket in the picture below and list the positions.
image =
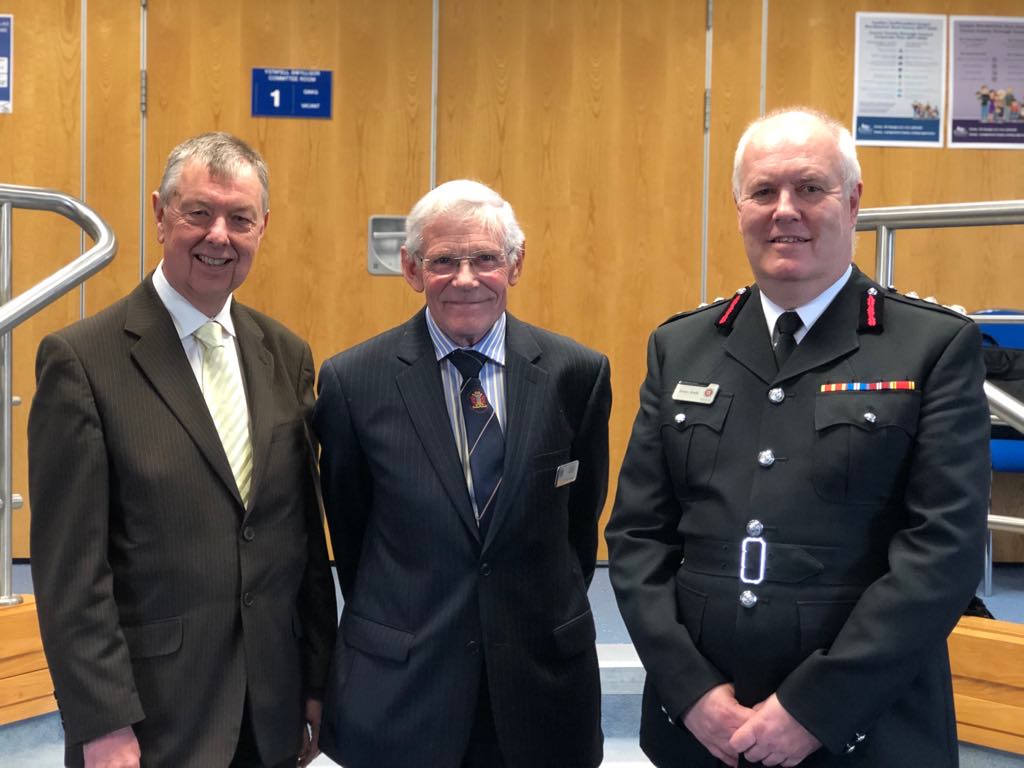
(690, 434)
(862, 443)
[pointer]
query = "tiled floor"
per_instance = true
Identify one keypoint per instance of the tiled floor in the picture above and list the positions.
(37, 743)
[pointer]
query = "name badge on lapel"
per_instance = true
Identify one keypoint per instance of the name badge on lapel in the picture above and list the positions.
(566, 473)
(704, 394)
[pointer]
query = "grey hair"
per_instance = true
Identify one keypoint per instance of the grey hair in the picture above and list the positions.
(849, 165)
(223, 155)
(466, 201)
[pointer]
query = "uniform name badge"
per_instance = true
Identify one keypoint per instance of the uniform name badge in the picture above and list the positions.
(566, 473)
(704, 394)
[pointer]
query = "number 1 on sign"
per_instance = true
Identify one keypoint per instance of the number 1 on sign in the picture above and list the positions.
(275, 96)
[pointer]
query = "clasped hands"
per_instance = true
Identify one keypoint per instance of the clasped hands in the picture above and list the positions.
(765, 733)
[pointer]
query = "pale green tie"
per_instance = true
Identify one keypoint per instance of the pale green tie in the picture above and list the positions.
(223, 390)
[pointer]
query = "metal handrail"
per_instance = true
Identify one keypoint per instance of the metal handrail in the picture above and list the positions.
(48, 290)
(1009, 409)
(1006, 523)
(15, 311)
(885, 222)
(1005, 409)
(981, 317)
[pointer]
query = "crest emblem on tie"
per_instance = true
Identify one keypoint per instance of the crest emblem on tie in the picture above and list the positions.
(477, 399)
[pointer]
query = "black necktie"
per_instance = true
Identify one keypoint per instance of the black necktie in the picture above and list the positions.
(785, 340)
(485, 442)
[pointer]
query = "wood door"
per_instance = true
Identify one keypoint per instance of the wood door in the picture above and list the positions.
(326, 176)
(588, 118)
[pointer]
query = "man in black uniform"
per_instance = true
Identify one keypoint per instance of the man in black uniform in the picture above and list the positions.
(801, 510)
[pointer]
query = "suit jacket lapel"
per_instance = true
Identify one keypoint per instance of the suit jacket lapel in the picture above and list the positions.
(749, 342)
(420, 387)
(159, 354)
(834, 334)
(258, 374)
(523, 383)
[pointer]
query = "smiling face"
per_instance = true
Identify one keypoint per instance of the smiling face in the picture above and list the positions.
(210, 229)
(797, 221)
(464, 305)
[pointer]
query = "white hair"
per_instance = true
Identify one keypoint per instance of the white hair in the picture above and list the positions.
(468, 201)
(849, 166)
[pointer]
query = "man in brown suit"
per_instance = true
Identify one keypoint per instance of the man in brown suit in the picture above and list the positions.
(185, 599)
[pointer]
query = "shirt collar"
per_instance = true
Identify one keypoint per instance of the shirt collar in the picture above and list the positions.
(491, 344)
(187, 319)
(809, 312)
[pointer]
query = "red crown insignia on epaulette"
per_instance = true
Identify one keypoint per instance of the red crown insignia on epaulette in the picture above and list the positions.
(728, 316)
(871, 305)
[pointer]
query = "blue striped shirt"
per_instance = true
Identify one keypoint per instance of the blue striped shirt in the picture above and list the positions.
(492, 377)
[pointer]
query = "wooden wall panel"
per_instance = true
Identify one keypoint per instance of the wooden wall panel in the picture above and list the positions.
(587, 117)
(811, 61)
(735, 102)
(40, 142)
(327, 176)
(47, 153)
(113, 122)
(986, 659)
(25, 686)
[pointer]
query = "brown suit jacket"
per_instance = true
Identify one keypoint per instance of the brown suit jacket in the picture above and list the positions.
(162, 600)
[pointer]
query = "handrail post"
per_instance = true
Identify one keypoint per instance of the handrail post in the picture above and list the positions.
(19, 309)
(890, 257)
(880, 232)
(7, 596)
(885, 248)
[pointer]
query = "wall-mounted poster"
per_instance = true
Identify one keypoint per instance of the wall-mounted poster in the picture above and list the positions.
(899, 82)
(987, 82)
(6, 62)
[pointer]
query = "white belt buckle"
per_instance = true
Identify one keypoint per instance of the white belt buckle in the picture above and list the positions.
(743, 559)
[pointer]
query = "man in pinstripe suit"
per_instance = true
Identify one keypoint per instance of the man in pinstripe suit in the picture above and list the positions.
(467, 639)
(185, 599)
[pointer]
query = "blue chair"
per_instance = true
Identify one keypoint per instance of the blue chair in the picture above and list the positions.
(1007, 444)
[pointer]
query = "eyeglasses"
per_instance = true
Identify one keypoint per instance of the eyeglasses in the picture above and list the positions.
(480, 264)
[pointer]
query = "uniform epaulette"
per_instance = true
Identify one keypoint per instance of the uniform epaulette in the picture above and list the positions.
(725, 320)
(872, 306)
(913, 300)
(696, 310)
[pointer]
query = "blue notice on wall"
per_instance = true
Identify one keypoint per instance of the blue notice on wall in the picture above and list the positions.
(926, 130)
(291, 93)
(6, 62)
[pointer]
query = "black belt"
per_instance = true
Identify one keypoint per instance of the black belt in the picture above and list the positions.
(783, 563)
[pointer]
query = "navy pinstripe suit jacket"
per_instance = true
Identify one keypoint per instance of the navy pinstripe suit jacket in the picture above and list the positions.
(429, 607)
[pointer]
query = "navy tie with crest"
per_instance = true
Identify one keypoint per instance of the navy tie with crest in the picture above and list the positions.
(486, 444)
